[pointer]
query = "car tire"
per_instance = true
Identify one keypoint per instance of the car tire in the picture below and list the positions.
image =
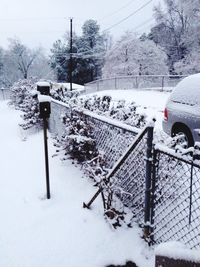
(183, 130)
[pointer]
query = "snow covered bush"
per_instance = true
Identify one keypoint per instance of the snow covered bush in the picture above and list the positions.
(24, 97)
(63, 94)
(77, 141)
(97, 103)
(103, 105)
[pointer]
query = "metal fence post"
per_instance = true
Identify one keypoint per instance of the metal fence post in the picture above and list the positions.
(163, 81)
(153, 195)
(115, 82)
(147, 207)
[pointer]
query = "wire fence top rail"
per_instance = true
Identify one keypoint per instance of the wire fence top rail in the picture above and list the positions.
(101, 118)
(142, 82)
(138, 76)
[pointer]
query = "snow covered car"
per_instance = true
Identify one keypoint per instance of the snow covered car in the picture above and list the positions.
(182, 111)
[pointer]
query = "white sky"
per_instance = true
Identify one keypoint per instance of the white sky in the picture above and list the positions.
(41, 22)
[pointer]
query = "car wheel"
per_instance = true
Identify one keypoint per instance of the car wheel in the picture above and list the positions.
(186, 136)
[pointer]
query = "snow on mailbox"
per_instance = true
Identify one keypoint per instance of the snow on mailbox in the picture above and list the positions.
(44, 99)
(43, 88)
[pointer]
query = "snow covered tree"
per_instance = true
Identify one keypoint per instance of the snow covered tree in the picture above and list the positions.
(131, 56)
(177, 28)
(88, 54)
(58, 60)
(21, 62)
(190, 64)
(22, 57)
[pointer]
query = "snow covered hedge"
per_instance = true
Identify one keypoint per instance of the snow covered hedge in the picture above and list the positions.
(120, 110)
(76, 141)
(24, 97)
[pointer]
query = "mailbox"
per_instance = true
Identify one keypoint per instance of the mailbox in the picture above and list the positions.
(43, 88)
(45, 110)
(44, 99)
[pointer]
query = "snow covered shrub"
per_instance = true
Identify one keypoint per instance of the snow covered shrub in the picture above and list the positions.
(24, 97)
(77, 140)
(128, 114)
(103, 105)
(63, 94)
(96, 103)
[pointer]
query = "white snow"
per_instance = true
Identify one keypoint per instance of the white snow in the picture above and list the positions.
(151, 103)
(67, 86)
(177, 250)
(188, 91)
(44, 98)
(43, 84)
(36, 232)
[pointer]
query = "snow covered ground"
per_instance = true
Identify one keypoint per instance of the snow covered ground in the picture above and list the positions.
(36, 232)
(151, 102)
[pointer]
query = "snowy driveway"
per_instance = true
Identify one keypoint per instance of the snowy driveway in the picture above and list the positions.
(35, 232)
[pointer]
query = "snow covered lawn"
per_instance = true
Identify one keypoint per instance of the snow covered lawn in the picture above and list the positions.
(36, 232)
(151, 102)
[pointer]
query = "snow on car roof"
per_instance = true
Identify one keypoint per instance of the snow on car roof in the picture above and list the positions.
(187, 91)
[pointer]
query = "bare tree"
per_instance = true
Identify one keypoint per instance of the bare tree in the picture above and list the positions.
(23, 57)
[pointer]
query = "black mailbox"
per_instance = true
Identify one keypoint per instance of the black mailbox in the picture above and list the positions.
(44, 90)
(45, 110)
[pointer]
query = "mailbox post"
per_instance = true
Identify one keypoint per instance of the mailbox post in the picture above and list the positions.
(45, 109)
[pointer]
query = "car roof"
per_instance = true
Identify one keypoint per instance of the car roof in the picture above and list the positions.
(187, 91)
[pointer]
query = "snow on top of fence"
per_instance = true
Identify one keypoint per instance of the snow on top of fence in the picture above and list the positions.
(113, 122)
(177, 251)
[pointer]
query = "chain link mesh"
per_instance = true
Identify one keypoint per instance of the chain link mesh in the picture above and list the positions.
(127, 184)
(176, 200)
(129, 181)
(175, 208)
(111, 140)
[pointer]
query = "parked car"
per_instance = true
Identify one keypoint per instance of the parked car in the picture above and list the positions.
(182, 111)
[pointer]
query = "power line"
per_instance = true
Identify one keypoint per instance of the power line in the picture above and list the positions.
(133, 13)
(118, 10)
(144, 23)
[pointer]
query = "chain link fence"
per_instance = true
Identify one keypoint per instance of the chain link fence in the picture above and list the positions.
(159, 187)
(112, 138)
(176, 202)
(153, 82)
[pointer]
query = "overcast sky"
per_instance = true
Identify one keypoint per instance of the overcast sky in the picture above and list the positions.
(41, 22)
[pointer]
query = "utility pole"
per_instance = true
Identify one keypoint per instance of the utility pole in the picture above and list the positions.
(71, 62)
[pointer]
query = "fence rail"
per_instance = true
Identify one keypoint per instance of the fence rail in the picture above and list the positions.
(161, 189)
(154, 82)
